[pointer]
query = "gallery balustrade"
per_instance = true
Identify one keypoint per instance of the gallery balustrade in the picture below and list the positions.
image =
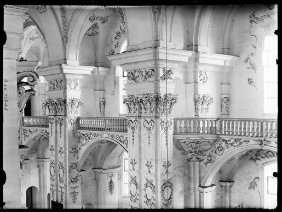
(182, 126)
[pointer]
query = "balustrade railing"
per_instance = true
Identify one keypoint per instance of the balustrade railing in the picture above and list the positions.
(111, 124)
(248, 127)
(35, 121)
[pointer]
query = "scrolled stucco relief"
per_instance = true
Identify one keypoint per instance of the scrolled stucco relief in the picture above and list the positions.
(166, 127)
(263, 154)
(225, 102)
(224, 145)
(40, 8)
(55, 106)
(195, 149)
(149, 104)
(157, 11)
(93, 30)
(167, 193)
(133, 163)
(149, 193)
(61, 193)
(149, 166)
(167, 166)
(72, 83)
(167, 74)
(140, 75)
(202, 104)
(74, 193)
(60, 121)
(132, 126)
(73, 105)
(149, 126)
(73, 172)
(102, 106)
(56, 84)
(203, 76)
(111, 184)
(134, 190)
(35, 133)
(65, 24)
(74, 151)
(101, 19)
(61, 171)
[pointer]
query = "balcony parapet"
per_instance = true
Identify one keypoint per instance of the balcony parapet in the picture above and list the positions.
(35, 121)
(108, 124)
(226, 126)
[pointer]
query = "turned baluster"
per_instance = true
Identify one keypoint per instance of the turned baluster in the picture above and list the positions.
(200, 125)
(185, 126)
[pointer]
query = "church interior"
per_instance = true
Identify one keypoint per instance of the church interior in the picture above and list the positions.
(140, 106)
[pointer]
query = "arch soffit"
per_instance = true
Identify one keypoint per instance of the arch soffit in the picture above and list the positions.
(29, 141)
(50, 30)
(84, 152)
(213, 169)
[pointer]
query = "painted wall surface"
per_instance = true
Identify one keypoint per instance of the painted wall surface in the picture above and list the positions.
(87, 51)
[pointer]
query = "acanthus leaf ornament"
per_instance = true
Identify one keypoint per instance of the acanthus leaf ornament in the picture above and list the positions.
(56, 106)
(73, 173)
(203, 76)
(202, 102)
(140, 75)
(225, 101)
(167, 74)
(149, 126)
(73, 105)
(93, 30)
(111, 183)
(56, 84)
(74, 194)
(72, 84)
(150, 200)
(134, 196)
(149, 166)
(133, 163)
(167, 198)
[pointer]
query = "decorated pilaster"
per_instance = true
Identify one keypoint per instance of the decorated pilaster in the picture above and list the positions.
(43, 164)
(210, 71)
(226, 193)
(206, 196)
(99, 91)
(13, 27)
(150, 102)
(63, 106)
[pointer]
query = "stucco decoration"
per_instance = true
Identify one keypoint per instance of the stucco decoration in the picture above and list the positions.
(72, 122)
(140, 75)
(225, 102)
(57, 84)
(61, 192)
(263, 154)
(40, 8)
(74, 151)
(87, 137)
(133, 163)
(167, 74)
(73, 105)
(134, 189)
(166, 125)
(149, 167)
(65, 25)
(74, 193)
(150, 191)
(93, 30)
(51, 123)
(30, 132)
(157, 10)
(55, 106)
(252, 82)
(149, 104)
(61, 171)
(61, 153)
(111, 183)
(203, 76)
(149, 126)
(132, 125)
(60, 121)
(196, 150)
(52, 150)
(253, 185)
(52, 171)
(167, 193)
(72, 84)
(202, 103)
(101, 19)
(102, 105)
(166, 165)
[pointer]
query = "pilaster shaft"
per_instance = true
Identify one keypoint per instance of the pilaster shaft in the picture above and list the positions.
(206, 196)
(226, 193)
(43, 164)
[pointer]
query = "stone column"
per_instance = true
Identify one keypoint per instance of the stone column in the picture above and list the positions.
(206, 195)
(43, 164)
(226, 193)
(13, 26)
(150, 101)
(63, 108)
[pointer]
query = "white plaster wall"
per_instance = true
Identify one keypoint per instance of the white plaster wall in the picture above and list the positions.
(179, 107)
(216, 193)
(87, 97)
(29, 178)
(87, 51)
(180, 180)
(89, 189)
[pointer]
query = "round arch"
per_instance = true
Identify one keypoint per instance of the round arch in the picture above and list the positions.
(84, 152)
(214, 168)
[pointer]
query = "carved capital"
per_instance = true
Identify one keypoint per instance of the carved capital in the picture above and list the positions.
(56, 84)
(55, 106)
(73, 105)
(202, 102)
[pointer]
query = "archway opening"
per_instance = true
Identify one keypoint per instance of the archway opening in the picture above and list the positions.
(32, 197)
